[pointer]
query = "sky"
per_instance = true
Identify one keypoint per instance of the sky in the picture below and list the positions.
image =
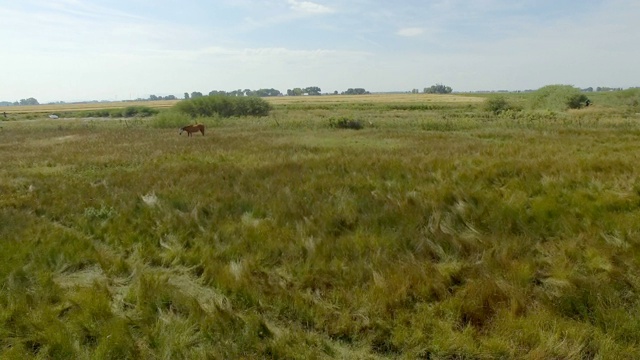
(76, 50)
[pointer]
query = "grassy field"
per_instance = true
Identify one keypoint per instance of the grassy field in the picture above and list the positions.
(438, 231)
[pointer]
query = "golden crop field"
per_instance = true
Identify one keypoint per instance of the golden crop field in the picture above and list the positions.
(376, 98)
(52, 108)
(326, 99)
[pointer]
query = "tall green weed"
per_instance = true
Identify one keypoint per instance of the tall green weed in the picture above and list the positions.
(557, 98)
(224, 106)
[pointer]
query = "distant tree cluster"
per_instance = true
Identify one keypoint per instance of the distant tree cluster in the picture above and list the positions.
(356, 91)
(311, 90)
(438, 89)
(601, 88)
(29, 101)
(608, 89)
(263, 92)
(239, 92)
(299, 91)
(168, 97)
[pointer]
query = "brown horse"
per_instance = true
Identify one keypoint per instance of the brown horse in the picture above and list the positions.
(192, 128)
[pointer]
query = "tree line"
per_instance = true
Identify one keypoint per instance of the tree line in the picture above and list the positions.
(311, 90)
(29, 101)
(298, 91)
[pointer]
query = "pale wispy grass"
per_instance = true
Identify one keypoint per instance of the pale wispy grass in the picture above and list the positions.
(446, 233)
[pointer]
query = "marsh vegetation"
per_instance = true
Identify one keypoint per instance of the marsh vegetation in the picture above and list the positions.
(439, 230)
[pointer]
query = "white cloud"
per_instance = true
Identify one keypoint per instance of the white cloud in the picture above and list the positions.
(309, 7)
(107, 52)
(410, 31)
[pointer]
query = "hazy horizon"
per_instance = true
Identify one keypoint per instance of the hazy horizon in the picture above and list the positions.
(80, 50)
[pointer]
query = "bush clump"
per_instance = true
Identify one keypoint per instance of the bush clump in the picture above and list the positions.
(577, 101)
(142, 111)
(225, 106)
(558, 98)
(170, 119)
(345, 123)
(129, 111)
(497, 105)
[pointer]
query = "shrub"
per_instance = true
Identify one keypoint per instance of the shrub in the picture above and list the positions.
(629, 98)
(170, 119)
(345, 123)
(438, 89)
(497, 105)
(556, 97)
(129, 111)
(143, 111)
(225, 106)
(577, 101)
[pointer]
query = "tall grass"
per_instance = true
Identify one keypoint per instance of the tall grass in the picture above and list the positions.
(447, 233)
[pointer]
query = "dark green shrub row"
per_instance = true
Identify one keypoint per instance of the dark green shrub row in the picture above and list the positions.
(225, 106)
(129, 111)
(416, 107)
(345, 123)
(499, 105)
(142, 111)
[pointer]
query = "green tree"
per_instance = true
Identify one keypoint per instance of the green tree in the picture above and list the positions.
(438, 89)
(238, 92)
(266, 92)
(196, 94)
(356, 91)
(497, 105)
(312, 90)
(29, 101)
(186, 96)
(577, 101)
(295, 92)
